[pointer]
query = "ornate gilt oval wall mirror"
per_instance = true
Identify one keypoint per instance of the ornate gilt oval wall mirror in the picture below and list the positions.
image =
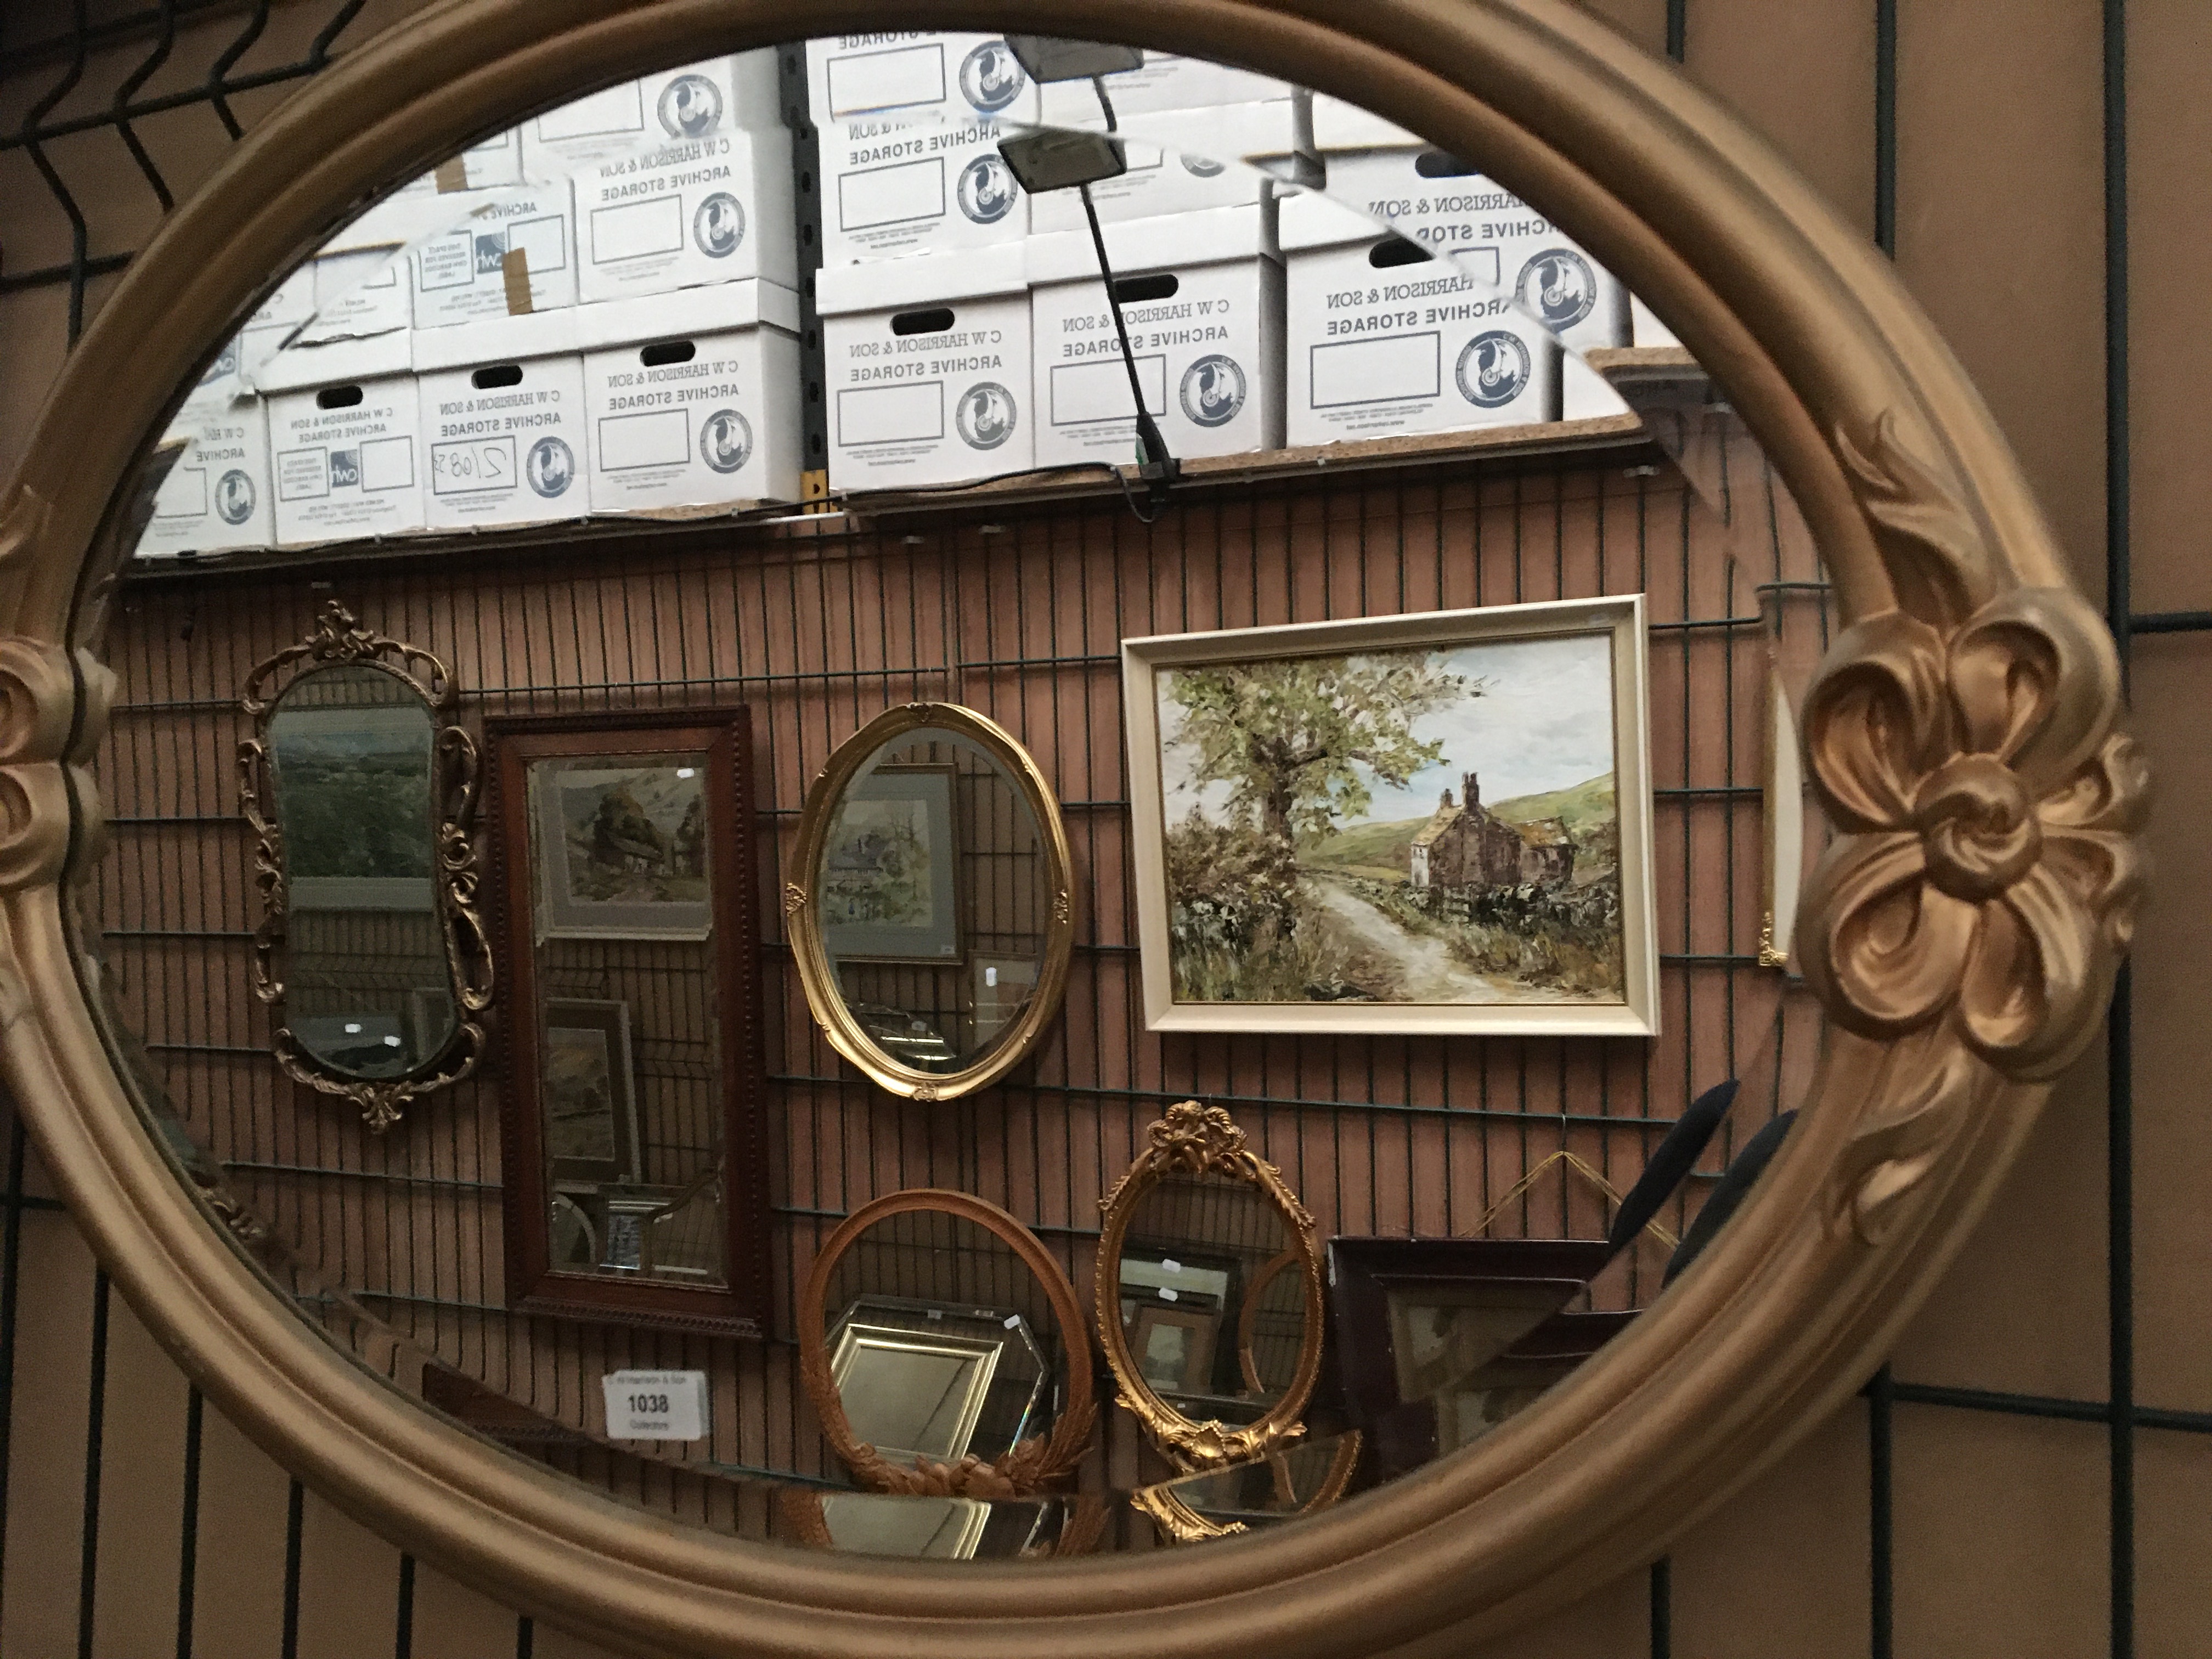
(930, 911)
(1960, 735)
(1209, 1284)
(361, 794)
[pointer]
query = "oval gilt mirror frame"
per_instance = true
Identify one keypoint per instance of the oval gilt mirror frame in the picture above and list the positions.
(339, 640)
(1035, 1465)
(1197, 1141)
(1962, 932)
(818, 975)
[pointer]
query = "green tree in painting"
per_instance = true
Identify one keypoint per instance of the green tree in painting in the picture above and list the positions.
(1291, 734)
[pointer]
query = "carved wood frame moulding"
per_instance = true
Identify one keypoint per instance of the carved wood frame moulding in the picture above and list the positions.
(1963, 931)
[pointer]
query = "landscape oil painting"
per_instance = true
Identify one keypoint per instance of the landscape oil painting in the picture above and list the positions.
(1428, 822)
(623, 849)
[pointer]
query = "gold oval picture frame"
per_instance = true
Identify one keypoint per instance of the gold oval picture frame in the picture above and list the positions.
(1193, 1139)
(1963, 733)
(818, 975)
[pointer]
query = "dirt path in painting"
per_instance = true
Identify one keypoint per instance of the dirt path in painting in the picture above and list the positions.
(1424, 968)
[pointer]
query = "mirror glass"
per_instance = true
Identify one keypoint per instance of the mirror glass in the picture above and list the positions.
(1212, 1297)
(559, 411)
(942, 1344)
(353, 763)
(1268, 1490)
(624, 971)
(935, 895)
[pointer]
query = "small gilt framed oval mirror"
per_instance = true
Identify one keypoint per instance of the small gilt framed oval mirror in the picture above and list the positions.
(931, 911)
(360, 790)
(1209, 1289)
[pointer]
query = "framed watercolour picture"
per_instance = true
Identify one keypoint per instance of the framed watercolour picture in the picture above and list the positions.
(1438, 823)
(622, 850)
(590, 1109)
(890, 869)
(1174, 1348)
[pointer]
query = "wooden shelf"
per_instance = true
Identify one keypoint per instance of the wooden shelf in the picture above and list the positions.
(1618, 436)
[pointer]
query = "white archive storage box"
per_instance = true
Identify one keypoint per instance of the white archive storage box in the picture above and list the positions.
(345, 456)
(1386, 339)
(1442, 203)
(496, 253)
(693, 398)
(503, 421)
(926, 362)
(893, 188)
(1202, 294)
(358, 293)
(1189, 161)
(1337, 124)
(686, 213)
(916, 77)
(693, 101)
(1644, 328)
(1164, 82)
(216, 499)
(232, 374)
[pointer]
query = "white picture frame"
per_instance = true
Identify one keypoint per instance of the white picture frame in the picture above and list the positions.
(1615, 626)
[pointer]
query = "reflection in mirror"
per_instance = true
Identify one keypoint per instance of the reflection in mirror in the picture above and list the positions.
(366, 868)
(353, 758)
(511, 344)
(1205, 1307)
(934, 915)
(943, 1363)
(1203, 1310)
(1265, 1492)
(637, 1190)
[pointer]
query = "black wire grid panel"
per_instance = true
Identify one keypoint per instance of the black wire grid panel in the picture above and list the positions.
(126, 51)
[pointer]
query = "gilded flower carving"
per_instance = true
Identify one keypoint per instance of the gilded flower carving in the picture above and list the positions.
(1986, 870)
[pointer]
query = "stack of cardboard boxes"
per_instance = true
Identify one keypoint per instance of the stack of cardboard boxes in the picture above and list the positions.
(1455, 319)
(599, 312)
(924, 287)
(1191, 233)
(594, 312)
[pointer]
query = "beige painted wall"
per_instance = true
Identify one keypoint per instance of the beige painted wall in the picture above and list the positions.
(2000, 1521)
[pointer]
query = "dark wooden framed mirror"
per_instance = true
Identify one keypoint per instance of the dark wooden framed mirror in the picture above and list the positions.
(626, 924)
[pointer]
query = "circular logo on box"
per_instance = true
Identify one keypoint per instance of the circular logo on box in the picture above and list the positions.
(1203, 167)
(725, 442)
(1213, 390)
(551, 468)
(690, 106)
(234, 497)
(720, 225)
(1493, 370)
(1558, 286)
(987, 415)
(992, 77)
(986, 190)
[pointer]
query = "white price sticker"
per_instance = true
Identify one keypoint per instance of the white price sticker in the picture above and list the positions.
(1167, 1295)
(1171, 1266)
(656, 1404)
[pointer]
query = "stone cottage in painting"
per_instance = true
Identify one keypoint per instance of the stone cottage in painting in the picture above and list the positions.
(1465, 846)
